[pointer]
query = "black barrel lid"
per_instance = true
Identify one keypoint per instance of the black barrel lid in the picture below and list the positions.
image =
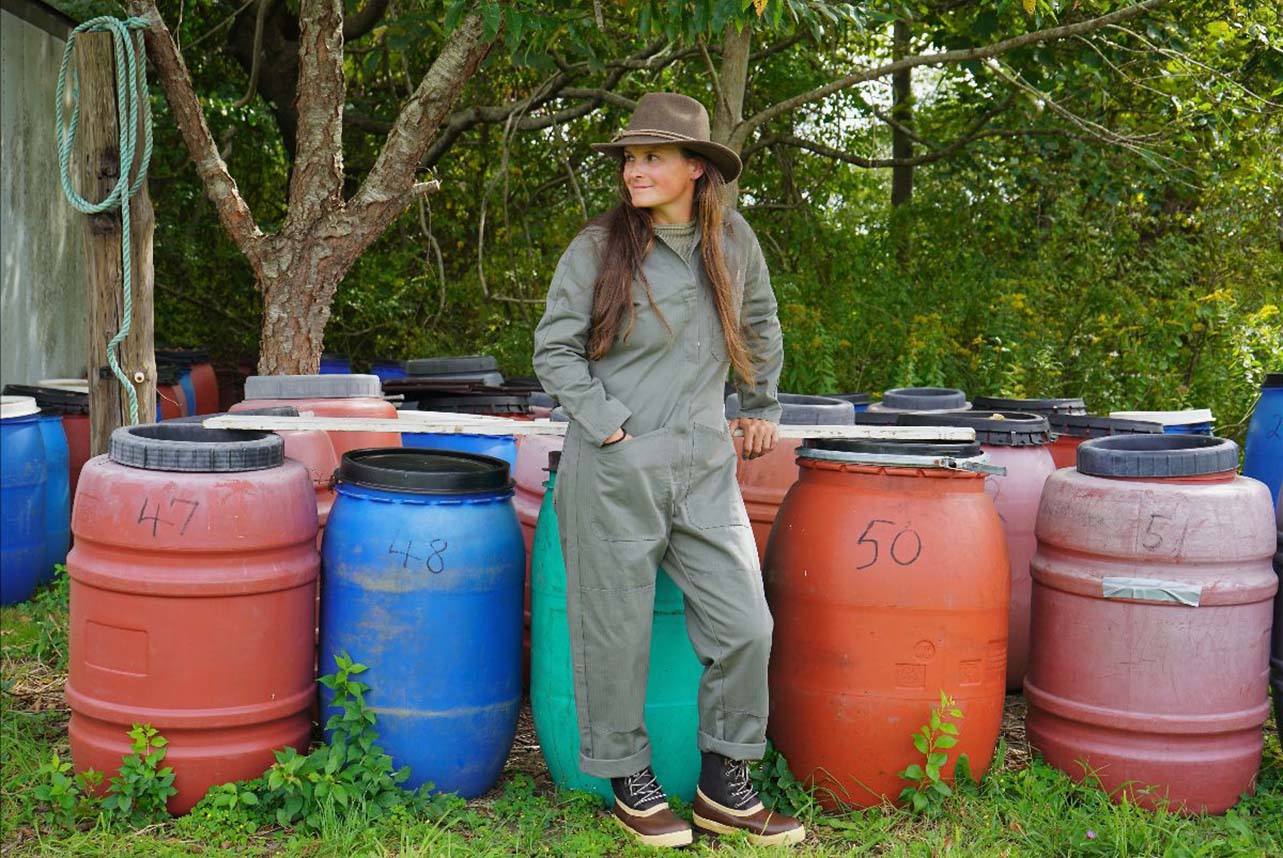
(1094, 426)
(454, 365)
(1272, 379)
(995, 428)
(182, 357)
(877, 418)
(802, 410)
(1045, 407)
(168, 373)
(190, 448)
(475, 404)
(424, 471)
(1157, 456)
(539, 399)
(389, 362)
(52, 400)
(956, 449)
(333, 356)
(924, 398)
(853, 398)
(554, 460)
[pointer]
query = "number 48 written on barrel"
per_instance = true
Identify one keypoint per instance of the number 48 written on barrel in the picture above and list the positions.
(899, 542)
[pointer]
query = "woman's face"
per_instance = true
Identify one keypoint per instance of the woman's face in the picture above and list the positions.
(662, 179)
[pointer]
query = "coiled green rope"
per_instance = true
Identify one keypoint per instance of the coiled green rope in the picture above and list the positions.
(131, 99)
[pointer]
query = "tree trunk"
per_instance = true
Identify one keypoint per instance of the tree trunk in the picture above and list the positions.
(902, 113)
(99, 158)
(728, 108)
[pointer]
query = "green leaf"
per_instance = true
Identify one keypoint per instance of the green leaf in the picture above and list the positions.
(913, 773)
(492, 17)
(946, 742)
(249, 798)
(937, 759)
(920, 742)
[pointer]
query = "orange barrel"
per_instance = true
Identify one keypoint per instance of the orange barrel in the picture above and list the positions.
(1070, 430)
(765, 480)
(887, 577)
(193, 589)
(1152, 591)
(1045, 407)
(530, 475)
(922, 399)
(1020, 443)
(329, 395)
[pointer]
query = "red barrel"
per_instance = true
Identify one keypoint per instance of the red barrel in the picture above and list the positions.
(1070, 430)
(887, 577)
(1020, 444)
(192, 599)
(765, 481)
(326, 396)
(1151, 621)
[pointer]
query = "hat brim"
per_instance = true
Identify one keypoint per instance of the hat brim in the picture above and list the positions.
(723, 158)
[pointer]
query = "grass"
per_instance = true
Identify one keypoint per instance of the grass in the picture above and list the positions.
(1022, 808)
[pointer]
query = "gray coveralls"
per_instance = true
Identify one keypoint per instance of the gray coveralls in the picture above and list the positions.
(667, 497)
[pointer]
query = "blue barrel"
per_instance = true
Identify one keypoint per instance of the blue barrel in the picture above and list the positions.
(861, 401)
(57, 494)
(500, 446)
(388, 369)
(1263, 454)
(189, 390)
(22, 499)
(424, 568)
(332, 364)
(1189, 421)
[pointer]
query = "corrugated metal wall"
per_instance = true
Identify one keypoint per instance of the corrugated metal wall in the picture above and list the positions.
(43, 300)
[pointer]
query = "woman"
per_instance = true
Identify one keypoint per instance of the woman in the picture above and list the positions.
(649, 307)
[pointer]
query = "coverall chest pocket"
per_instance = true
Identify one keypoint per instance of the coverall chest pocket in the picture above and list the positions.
(714, 499)
(633, 481)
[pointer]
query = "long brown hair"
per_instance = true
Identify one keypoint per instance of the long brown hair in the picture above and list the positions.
(630, 235)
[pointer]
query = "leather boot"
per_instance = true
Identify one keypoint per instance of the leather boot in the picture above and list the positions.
(642, 809)
(725, 802)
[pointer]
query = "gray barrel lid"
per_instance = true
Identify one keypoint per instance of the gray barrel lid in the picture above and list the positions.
(423, 471)
(1045, 407)
(1095, 426)
(337, 386)
(853, 398)
(1157, 456)
(190, 448)
(995, 428)
(540, 399)
(924, 398)
(801, 410)
(455, 365)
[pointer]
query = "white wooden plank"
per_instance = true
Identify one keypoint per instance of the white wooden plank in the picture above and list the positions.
(424, 421)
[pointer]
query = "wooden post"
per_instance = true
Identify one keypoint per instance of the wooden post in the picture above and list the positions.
(97, 153)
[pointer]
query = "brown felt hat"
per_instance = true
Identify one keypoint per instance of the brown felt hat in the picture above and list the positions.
(671, 118)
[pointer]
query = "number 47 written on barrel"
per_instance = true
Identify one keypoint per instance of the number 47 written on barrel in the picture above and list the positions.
(902, 545)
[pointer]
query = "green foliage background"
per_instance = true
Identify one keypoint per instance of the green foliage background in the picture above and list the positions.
(1040, 263)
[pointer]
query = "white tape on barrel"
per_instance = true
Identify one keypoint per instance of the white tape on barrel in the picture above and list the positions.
(1152, 590)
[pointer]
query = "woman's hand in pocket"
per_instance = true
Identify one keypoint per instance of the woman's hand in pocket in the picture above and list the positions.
(759, 435)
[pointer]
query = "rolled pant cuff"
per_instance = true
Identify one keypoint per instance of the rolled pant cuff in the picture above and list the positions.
(629, 765)
(733, 750)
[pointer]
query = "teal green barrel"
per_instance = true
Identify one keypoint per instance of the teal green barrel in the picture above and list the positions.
(672, 718)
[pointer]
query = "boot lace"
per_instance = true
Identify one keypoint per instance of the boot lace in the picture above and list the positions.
(643, 787)
(737, 783)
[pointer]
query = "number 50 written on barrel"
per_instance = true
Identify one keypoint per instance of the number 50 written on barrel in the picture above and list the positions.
(882, 537)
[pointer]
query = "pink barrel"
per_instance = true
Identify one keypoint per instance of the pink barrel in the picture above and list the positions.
(1152, 591)
(765, 481)
(529, 475)
(326, 396)
(1020, 443)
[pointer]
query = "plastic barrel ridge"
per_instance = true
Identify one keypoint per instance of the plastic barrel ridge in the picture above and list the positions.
(1020, 443)
(671, 711)
(23, 479)
(57, 495)
(889, 584)
(1033, 405)
(1263, 450)
(1152, 604)
(1070, 430)
(922, 399)
(330, 395)
(765, 480)
(193, 582)
(423, 564)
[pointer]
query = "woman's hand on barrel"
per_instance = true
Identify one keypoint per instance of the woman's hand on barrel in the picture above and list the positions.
(759, 435)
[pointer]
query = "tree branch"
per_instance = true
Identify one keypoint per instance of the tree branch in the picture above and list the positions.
(233, 212)
(939, 58)
(316, 182)
(364, 20)
(264, 6)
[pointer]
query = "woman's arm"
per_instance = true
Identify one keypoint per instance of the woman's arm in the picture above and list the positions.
(759, 319)
(561, 341)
